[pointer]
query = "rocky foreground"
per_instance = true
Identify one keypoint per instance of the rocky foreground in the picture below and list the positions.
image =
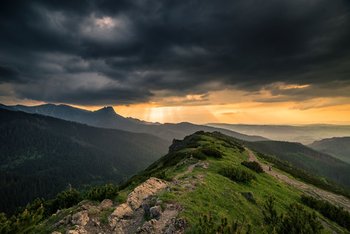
(129, 217)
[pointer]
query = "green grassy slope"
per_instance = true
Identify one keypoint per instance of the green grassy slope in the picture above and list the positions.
(215, 194)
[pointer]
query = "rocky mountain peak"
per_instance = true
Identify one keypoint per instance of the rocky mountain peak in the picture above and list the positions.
(107, 110)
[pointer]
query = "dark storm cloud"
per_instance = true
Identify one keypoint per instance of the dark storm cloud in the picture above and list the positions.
(8, 74)
(138, 47)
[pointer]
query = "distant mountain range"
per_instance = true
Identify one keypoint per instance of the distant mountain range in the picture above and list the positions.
(107, 118)
(41, 155)
(305, 134)
(338, 147)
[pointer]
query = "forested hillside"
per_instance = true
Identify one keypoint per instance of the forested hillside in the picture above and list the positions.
(40, 156)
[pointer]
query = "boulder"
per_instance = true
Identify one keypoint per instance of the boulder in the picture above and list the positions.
(105, 204)
(147, 227)
(155, 212)
(123, 210)
(170, 229)
(81, 218)
(146, 209)
(180, 224)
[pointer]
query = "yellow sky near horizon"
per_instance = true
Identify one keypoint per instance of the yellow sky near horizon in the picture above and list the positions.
(245, 113)
(232, 106)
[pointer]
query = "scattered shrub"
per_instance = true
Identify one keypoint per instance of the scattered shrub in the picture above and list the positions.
(105, 214)
(203, 153)
(237, 174)
(99, 193)
(65, 199)
(198, 154)
(162, 175)
(24, 222)
(334, 213)
(207, 225)
(296, 220)
(269, 212)
(255, 166)
(211, 152)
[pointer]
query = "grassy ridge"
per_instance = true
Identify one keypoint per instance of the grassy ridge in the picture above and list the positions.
(221, 197)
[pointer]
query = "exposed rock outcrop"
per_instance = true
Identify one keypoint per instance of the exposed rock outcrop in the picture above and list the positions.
(145, 190)
(129, 217)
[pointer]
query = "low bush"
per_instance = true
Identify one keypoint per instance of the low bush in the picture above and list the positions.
(255, 166)
(64, 199)
(237, 174)
(296, 220)
(198, 154)
(203, 153)
(99, 193)
(334, 213)
(207, 225)
(162, 175)
(211, 152)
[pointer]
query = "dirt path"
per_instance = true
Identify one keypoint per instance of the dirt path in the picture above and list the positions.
(189, 170)
(306, 188)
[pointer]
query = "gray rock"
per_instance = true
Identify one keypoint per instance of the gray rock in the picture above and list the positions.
(147, 227)
(155, 212)
(159, 202)
(81, 218)
(146, 209)
(180, 224)
(67, 219)
(170, 229)
(249, 196)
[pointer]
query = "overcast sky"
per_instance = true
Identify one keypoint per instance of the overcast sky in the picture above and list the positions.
(170, 54)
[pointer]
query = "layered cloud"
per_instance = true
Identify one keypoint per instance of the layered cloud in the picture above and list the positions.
(124, 52)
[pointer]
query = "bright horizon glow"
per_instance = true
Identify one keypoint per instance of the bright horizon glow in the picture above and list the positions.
(232, 106)
(244, 113)
(234, 115)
